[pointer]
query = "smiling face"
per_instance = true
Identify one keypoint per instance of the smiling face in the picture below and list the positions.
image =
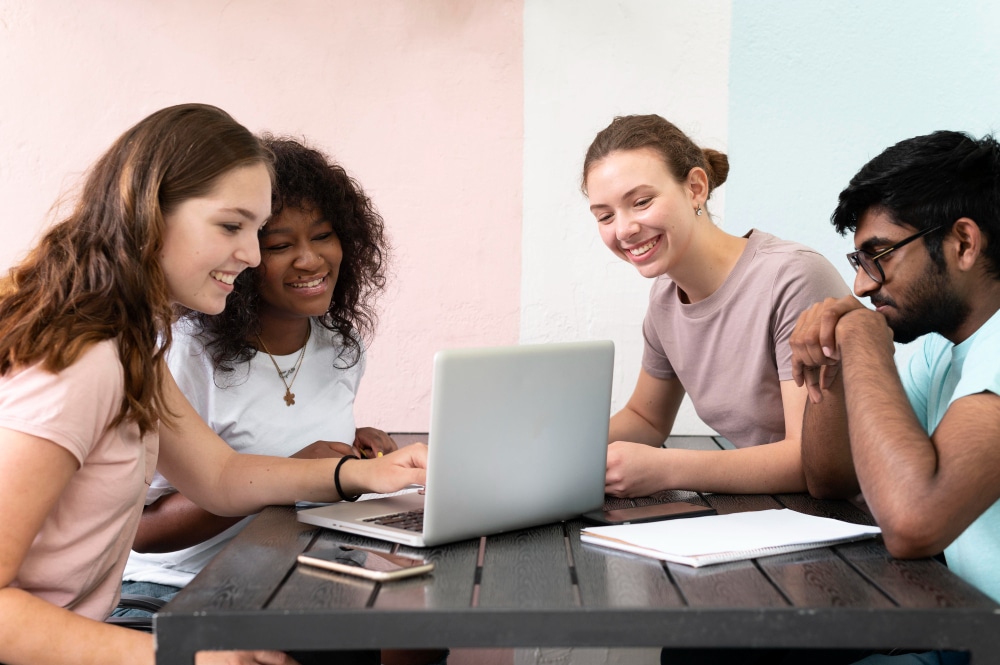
(644, 215)
(301, 258)
(917, 296)
(208, 240)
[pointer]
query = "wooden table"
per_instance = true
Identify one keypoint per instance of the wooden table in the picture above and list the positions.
(542, 587)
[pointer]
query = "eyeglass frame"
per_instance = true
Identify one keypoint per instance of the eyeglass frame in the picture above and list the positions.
(855, 257)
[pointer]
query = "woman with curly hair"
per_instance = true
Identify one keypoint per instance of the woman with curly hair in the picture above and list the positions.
(281, 365)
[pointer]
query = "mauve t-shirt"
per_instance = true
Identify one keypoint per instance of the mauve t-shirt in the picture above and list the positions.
(730, 350)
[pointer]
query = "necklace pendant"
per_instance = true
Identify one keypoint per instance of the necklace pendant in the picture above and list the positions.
(293, 372)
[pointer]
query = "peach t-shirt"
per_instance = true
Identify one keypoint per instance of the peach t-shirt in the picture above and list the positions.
(77, 558)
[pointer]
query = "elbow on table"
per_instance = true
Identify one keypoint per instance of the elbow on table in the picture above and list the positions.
(827, 478)
(901, 548)
(827, 486)
(910, 537)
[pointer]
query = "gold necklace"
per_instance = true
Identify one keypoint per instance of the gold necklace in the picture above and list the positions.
(289, 395)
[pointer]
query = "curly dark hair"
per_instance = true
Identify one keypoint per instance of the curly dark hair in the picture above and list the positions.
(307, 178)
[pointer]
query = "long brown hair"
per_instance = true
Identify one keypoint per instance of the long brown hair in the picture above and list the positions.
(680, 153)
(96, 275)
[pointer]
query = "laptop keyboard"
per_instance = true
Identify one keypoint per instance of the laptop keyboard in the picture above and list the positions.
(412, 520)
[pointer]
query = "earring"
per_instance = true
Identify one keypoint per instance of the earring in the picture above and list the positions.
(698, 211)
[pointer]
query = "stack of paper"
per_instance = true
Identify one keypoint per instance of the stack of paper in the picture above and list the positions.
(702, 541)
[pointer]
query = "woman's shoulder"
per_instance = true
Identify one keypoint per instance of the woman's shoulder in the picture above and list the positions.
(98, 361)
(93, 381)
(102, 353)
(789, 257)
(331, 348)
(768, 243)
(794, 274)
(99, 365)
(333, 338)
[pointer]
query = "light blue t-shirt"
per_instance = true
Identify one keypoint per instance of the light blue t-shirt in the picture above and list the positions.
(937, 375)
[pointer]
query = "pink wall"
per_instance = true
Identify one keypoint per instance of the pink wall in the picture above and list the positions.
(421, 101)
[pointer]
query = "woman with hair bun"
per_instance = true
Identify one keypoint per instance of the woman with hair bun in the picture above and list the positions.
(720, 312)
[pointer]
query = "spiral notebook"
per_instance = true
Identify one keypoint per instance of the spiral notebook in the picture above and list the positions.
(703, 541)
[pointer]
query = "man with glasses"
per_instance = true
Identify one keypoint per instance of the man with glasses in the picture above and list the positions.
(921, 443)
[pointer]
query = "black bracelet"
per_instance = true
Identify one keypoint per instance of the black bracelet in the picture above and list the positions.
(336, 480)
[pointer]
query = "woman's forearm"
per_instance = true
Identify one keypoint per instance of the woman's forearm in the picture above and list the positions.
(627, 425)
(764, 469)
(247, 483)
(36, 632)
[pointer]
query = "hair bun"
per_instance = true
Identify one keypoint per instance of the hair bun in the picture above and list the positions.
(718, 167)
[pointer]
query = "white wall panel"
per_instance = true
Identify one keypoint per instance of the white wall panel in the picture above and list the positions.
(585, 62)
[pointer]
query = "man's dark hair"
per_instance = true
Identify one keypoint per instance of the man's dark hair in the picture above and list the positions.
(929, 181)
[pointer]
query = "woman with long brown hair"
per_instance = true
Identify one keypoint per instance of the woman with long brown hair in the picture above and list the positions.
(168, 217)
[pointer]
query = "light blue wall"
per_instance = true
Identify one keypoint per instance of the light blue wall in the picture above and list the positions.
(818, 88)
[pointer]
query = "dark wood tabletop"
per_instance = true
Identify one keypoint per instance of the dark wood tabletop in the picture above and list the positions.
(541, 587)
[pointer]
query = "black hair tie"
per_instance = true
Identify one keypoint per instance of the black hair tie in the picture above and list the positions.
(336, 480)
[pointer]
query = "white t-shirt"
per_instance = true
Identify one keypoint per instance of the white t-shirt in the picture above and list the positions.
(249, 412)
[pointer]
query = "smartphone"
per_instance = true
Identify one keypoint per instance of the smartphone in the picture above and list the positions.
(370, 564)
(652, 513)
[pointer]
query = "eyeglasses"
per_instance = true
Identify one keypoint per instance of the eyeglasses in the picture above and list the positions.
(862, 259)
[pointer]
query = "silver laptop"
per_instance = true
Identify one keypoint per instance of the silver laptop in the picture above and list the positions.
(518, 437)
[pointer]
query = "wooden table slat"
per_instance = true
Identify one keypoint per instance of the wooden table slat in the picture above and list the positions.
(736, 584)
(308, 587)
(615, 503)
(527, 569)
(610, 578)
(740, 503)
(670, 496)
(449, 586)
(244, 576)
(913, 583)
(819, 578)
